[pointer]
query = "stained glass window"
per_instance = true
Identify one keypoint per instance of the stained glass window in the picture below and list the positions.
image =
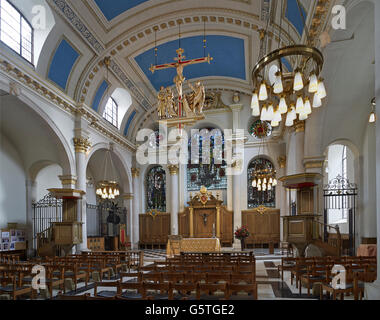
(156, 189)
(206, 166)
(257, 198)
(260, 129)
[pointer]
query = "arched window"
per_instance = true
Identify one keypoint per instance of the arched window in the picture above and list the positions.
(156, 188)
(110, 112)
(206, 144)
(15, 31)
(257, 198)
(340, 167)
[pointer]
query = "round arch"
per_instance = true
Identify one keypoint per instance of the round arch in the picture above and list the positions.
(65, 150)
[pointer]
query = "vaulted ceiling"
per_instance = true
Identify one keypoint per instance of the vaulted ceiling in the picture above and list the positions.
(87, 31)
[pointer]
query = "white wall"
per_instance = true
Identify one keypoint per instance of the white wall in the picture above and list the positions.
(46, 179)
(12, 185)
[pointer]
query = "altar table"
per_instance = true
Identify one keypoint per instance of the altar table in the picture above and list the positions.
(367, 250)
(194, 245)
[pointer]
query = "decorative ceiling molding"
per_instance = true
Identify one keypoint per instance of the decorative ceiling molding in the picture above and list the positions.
(68, 13)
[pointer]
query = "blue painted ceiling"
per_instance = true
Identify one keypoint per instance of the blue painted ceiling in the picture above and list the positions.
(294, 16)
(113, 8)
(62, 63)
(228, 54)
(99, 95)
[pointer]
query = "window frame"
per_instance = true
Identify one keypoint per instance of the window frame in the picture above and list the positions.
(112, 111)
(21, 37)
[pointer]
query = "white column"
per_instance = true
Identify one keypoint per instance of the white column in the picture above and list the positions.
(135, 235)
(81, 148)
(236, 207)
(174, 204)
(127, 202)
(296, 148)
(31, 196)
(236, 179)
(373, 290)
(283, 201)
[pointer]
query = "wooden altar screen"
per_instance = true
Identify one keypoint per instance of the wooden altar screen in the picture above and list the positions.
(206, 217)
(154, 229)
(263, 225)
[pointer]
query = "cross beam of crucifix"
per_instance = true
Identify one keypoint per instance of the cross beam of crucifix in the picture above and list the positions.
(179, 65)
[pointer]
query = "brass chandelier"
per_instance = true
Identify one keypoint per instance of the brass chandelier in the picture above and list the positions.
(108, 188)
(287, 95)
(264, 179)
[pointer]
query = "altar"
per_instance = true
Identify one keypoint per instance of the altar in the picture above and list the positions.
(199, 245)
(206, 219)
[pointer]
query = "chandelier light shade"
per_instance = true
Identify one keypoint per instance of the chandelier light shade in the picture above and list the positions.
(317, 102)
(263, 94)
(313, 86)
(255, 105)
(298, 82)
(264, 112)
(283, 107)
(300, 105)
(278, 87)
(303, 116)
(307, 106)
(321, 90)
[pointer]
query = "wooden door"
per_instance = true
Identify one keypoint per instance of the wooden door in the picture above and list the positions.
(204, 219)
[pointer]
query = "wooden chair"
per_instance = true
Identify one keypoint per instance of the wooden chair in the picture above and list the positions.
(136, 276)
(359, 279)
(313, 275)
(9, 286)
(106, 293)
(134, 291)
(287, 264)
(220, 277)
(165, 290)
(73, 272)
(156, 277)
(234, 289)
(184, 291)
(210, 290)
(60, 296)
(241, 278)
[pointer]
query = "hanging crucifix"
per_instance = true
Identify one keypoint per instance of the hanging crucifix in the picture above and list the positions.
(165, 96)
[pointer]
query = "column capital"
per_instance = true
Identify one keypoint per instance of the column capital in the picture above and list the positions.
(299, 126)
(173, 169)
(68, 180)
(236, 107)
(135, 172)
(282, 162)
(81, 145)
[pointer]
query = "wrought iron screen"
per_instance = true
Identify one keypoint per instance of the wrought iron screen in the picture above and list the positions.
(45, 211)
(340, 196)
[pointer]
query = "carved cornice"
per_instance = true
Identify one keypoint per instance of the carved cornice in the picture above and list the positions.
(81, 145)
(135, 172)
(173, 170)
(313, 164)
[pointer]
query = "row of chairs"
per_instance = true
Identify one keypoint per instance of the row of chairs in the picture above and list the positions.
(175, 290)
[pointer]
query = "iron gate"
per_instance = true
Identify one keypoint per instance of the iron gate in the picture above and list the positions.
(340, 195)
(45, 211)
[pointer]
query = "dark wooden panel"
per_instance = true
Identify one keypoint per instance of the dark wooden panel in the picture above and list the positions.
(154, 231)
(263, 227)
(204, 219)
